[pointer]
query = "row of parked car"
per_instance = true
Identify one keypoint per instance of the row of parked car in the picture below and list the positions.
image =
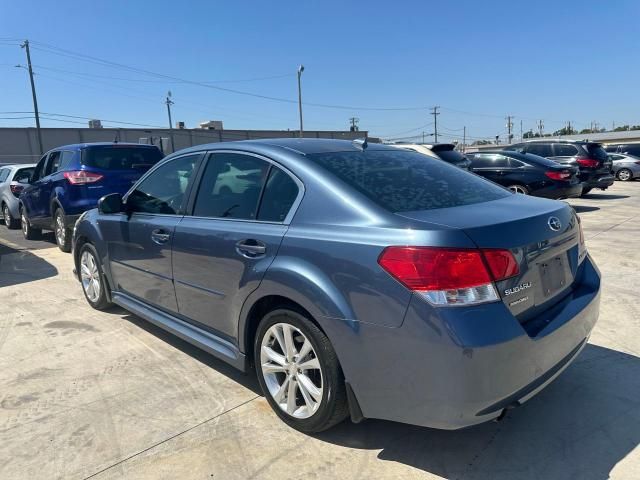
(69, 180)
(555, 169)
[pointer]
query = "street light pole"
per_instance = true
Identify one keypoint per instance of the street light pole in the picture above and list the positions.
(169, 102)
(25, 45)
(300, 70)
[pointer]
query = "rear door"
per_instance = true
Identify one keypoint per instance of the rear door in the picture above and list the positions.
(40, 213)
(139, 241)
(240, 214)
(492, 166)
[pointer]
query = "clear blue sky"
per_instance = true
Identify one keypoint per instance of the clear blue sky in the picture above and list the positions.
(555, 61)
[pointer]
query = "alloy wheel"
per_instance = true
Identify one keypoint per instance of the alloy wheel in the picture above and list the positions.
(25, 223)
(624, 175)
(60, 229)
(6, 215)
(518, 189)
(90, 276)
(291, 370)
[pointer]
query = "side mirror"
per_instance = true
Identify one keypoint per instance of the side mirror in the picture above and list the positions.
(111, 203)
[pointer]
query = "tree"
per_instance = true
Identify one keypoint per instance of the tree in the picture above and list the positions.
(564, 131)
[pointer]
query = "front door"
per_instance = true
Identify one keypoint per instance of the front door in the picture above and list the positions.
(139, 241)
(222, 251)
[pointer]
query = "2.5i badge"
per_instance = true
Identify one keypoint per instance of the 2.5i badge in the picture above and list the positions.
(518, 288)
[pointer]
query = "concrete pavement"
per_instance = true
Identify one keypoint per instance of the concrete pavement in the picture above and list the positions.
(86, 394)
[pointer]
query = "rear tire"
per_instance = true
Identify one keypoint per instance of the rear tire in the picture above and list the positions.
(94, 285)
(624, 175)
(519, 189)
(10, 222)
(63, 234)
(294, 357)
(585, 191)
(28, 231)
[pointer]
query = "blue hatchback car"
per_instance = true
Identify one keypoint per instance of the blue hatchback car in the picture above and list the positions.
(69, 180)
(358, 280)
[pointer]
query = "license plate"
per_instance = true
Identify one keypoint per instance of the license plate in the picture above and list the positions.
(552, 276)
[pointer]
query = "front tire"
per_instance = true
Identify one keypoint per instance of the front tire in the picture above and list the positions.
(624, 175)
(28, 231)
(10, 222)
(63, 234)
(299, 372)
(92, 278)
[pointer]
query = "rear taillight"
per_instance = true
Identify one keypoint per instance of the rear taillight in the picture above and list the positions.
(80, 177)
(588, 162)
(553, 175)
(447, 276)
(16, 189)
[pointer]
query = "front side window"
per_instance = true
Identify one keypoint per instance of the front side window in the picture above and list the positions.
(26, 172)
(231, 186)
(490, 160)
(4, 173)
(402, 181)
(164, 190)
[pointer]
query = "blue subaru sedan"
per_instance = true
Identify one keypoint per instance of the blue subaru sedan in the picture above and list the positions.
(359, 280)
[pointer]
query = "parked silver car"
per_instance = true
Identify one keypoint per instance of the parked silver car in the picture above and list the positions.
(10, 188)
(625, 167)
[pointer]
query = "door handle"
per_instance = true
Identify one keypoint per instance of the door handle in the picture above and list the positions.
(159, 236)
(251, 248)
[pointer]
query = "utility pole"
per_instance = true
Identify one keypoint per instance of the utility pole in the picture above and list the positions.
(464, 139)
(521, 137)
(169, 102)
(435, 113)
(569, 127)
(25, 45)
(540, 127)
(300, 70)
(509, 127)
(354, 124)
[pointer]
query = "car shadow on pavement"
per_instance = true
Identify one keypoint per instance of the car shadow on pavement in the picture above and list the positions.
(246, 380)
(604, 196)
(581, 426)
(584, 208)
(22, 266)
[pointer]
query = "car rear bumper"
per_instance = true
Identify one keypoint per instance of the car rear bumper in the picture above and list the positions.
(600, 181)
(447, 368)
(559, 191)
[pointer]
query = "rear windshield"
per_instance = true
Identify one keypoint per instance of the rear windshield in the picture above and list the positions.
(121, 158)
(596, 151)
(451, 156)
(403, 181)
(23, 172)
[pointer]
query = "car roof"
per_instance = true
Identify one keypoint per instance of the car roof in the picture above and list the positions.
(558, 140)
(77, 146)
(302, 146)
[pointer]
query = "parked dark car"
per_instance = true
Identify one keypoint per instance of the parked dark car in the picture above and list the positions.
(590, 157)
(359, 280)
(527, 174)
(624, 148)
(69, 180)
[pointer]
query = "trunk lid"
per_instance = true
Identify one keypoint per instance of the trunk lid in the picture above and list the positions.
(543, 236)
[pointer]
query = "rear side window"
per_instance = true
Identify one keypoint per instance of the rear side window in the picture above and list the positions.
(52, 163)
(279, 194)
(231, 186)
(490, 160)
(403, 181)
(23, 172)
(564, 150)
(65, 160)
(542, 149)
(121, 157)
(596, 151)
